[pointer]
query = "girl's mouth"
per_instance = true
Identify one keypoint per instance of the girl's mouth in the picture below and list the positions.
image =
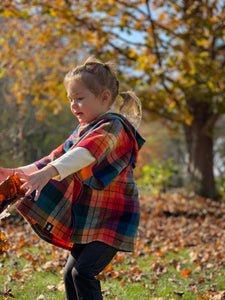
(78, 114)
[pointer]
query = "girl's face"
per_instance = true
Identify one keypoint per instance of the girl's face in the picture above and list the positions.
(84, 104)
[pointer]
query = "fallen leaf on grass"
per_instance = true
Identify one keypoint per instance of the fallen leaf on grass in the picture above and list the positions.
(51, 265)
(7, 294)
(175, 228)
(194, 288)
(16, 276)
(122, 283)
(29, 268)
(173, 280)
(41, 297)
(116, 274)
(185, 273)
(201, 280)
(219, 296)
(51, 288)
(4, 244)
(60, 287)
(106, 293)
(179, 293)
(109, 268)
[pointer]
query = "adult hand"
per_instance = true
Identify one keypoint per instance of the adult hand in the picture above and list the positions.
(37, 180)
(4, 173)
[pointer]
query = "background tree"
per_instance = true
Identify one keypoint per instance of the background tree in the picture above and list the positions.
(171, 52)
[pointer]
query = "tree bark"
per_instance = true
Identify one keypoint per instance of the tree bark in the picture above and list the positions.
(200, 150)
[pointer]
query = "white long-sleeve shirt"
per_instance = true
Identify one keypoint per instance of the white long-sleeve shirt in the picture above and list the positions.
(72, 161)
(67, 164)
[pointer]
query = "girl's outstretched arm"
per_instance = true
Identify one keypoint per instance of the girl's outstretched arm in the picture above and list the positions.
(37, 180)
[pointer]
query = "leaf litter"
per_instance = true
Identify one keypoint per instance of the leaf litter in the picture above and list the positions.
(168, 224)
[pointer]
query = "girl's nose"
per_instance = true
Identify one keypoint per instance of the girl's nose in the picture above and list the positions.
(73, 103)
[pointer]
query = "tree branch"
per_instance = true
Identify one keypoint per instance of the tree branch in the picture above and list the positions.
(157, 52)
(210, 123)
(153, 32)
(119, 50)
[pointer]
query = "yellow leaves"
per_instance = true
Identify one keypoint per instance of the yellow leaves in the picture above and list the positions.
(92, 38)
(8, 13)
(162, 16)
(53, 13)
(211, 85)
(188, 121)
(41, 114)
(172, 104)
(146, 61)
(125, 18)
(46, 41)
(132, 53)
(2, 72)
(203, 42)
(36, 101)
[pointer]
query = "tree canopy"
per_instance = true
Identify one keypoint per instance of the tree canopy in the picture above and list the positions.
(170, 52)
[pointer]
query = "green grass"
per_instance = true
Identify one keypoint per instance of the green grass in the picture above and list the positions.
(157, 277)
(26, 278)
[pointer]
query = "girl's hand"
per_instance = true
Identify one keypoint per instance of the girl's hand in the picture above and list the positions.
(37, 180)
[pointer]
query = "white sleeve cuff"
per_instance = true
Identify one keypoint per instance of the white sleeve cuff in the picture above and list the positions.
(72, 161)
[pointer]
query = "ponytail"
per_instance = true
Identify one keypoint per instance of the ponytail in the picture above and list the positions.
(129, 105)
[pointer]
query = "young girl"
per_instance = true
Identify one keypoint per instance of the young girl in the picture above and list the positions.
(83, 197)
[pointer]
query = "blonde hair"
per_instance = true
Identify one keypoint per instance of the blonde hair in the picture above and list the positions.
(99, 76)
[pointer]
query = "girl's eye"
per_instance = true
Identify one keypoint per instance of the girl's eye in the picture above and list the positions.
(76, 99)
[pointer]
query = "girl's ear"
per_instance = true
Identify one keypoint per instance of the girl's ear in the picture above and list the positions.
(106, 96)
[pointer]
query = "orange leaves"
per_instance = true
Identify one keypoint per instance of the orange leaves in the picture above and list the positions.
(4, 245)
(23, 242)
(108, 268)
(186, 273)
(133, 273)
(182, 247)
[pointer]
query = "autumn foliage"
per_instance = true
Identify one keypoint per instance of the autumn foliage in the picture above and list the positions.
(170, 52)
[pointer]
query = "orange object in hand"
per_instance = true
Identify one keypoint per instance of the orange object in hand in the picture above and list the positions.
(10, 188)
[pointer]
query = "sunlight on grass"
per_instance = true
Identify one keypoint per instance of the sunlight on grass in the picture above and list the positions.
(170, 276)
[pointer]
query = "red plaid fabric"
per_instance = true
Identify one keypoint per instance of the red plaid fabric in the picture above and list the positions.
(101, 199)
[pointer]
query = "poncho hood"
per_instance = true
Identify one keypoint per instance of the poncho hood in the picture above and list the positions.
(129, 128)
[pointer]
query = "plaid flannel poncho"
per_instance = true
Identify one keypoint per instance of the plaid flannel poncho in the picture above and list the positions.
(99, 202)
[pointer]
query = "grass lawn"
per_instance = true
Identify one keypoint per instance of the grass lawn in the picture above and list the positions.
(37, 275)
(180, 255)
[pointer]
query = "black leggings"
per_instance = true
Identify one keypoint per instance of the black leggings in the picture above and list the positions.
(83, 264)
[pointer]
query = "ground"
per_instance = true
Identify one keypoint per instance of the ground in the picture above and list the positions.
(180, 254)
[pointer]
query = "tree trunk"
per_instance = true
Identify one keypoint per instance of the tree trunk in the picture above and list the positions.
(200, 150)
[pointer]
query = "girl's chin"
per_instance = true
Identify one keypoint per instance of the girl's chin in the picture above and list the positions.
(81, 118)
